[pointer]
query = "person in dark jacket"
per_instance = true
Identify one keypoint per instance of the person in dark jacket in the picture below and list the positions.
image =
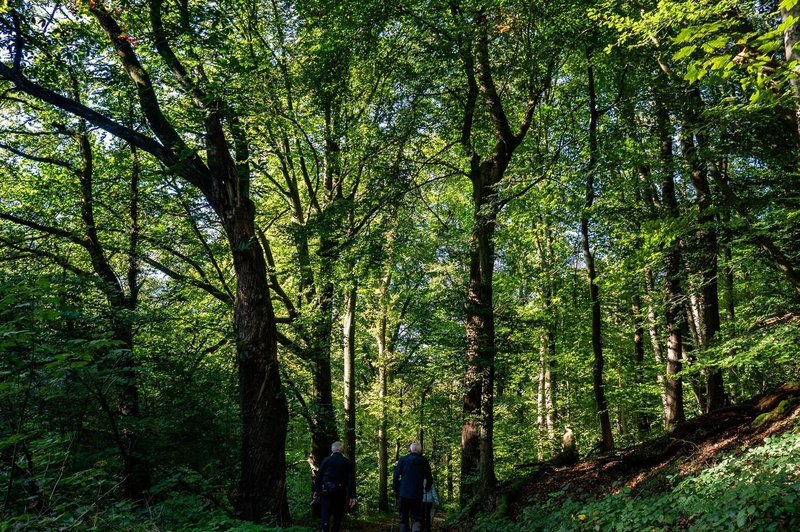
(335, 486)
(412, 478)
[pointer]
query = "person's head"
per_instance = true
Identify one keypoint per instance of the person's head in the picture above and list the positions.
(336, 447)
(415, 447)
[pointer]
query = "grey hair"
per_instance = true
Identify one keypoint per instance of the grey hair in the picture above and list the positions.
(415, 447)
(336, 447)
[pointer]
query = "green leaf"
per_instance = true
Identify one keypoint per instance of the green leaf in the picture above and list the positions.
(693, 73)
(715, 44)
(717, 63)
(686, 35)
(686, 51)
(741, 519)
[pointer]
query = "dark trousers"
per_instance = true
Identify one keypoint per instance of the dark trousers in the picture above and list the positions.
(331, 511)
(427, 510)
(410, 508)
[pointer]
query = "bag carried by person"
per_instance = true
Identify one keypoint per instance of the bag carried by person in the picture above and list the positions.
(431, 496)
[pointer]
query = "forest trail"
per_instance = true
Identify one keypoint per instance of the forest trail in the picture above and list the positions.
(695, 445)
(378, 523)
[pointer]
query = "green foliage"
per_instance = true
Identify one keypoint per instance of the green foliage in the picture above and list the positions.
(352, 116)
(751, 489)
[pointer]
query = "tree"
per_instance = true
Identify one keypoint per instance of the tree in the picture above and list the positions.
(120, 402)
(588, 257)
(472, 39)
(223, 178)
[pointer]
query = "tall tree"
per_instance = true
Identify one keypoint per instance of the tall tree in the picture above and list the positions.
(706, 234)
(588, 257)
(349, 352)
(674, 411)
(485, 174)
(225, 185)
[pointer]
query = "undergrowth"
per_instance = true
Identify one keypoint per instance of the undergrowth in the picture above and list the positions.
(749, 489)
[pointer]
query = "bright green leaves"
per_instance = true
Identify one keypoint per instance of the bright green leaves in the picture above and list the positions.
(735, 47)
(684, 52)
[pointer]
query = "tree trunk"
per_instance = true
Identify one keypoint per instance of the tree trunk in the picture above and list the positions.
(349, 332)
(655, 336)
(548, 339)
(324, 431)
(124, 399)
(791, 36)
(549, 391)
(540, 408)
(706, 236)
(383, 443)
(594, 293)
(642, 419)
(477, 456)
(383, 370)
(673, 412)
(263, 404)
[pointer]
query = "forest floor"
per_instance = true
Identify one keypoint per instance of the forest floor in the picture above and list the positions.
(695, 445)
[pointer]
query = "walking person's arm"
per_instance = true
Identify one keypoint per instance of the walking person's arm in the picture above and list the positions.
(396, 478)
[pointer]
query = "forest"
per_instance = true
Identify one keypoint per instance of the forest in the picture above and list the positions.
(547, 240)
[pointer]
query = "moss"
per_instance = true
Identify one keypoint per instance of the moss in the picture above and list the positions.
(777, 412)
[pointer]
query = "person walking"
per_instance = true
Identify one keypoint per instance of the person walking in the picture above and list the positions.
(335, 487)
(411, 480)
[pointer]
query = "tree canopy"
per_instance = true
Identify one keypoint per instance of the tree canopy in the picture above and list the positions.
(234, 232)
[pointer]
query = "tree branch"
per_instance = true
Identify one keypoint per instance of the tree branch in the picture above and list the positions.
(210, 289)
(55, 231)
(103, 122)
(36, 158)
(273, 278)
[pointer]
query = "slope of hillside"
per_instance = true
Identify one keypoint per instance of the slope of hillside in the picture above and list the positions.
(737, 468)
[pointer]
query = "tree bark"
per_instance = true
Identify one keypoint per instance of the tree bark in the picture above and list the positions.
(477, 457)
(323, 428)
(674, 411)
(349, 333)
(594, 292)
(642, 419)
(548, 347)
(381, 339)
(655, 337)
(791, 36)
(545, 418)
(706, 237)
(540, 412)
(383, 443)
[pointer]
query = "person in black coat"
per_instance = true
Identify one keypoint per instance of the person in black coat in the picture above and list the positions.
(412, 478)
(335, 486)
